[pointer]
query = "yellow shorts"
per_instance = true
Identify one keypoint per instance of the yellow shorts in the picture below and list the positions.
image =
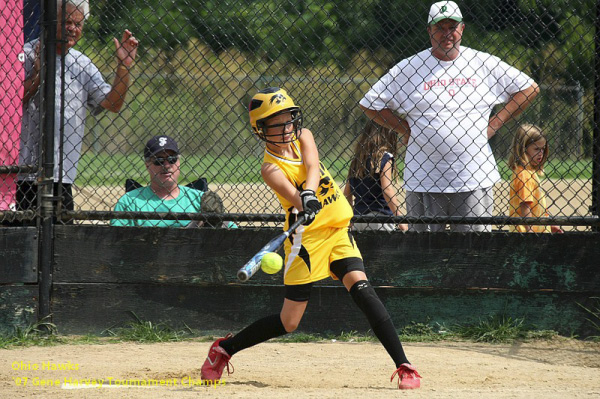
(308, 256)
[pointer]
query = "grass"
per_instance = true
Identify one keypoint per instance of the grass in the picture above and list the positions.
(355, 336)
(556, 169)
(112, 170)
(300, 337)
(208, 116)
(423, 332)
(42, 333)
(144, 331)
(88, 339)
(594, 316)
(501, 328)
(413, 332)
(495, 329)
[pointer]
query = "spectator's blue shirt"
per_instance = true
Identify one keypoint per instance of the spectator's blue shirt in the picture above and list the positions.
(143, 199)
(368, 193)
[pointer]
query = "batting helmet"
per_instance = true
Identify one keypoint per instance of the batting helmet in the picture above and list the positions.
(268, 103)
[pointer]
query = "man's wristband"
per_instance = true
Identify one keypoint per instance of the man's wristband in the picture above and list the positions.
(121, 66)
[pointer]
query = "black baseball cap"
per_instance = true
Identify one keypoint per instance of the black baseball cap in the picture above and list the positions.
(160, 143)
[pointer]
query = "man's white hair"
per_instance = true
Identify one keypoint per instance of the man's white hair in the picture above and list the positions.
(81, 5)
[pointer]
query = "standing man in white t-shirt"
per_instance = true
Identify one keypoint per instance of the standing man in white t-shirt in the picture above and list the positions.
(443, 97)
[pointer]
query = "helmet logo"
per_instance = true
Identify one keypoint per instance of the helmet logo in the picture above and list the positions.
(277, 98)
(444, 9)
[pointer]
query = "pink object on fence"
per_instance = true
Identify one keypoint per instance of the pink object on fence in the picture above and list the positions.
(11, 93)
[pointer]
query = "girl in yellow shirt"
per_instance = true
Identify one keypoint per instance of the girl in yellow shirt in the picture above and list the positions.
(528, 155)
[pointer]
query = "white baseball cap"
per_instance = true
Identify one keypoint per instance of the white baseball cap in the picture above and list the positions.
(444, 10)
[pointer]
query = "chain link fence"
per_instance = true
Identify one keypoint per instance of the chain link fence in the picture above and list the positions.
(199, 62)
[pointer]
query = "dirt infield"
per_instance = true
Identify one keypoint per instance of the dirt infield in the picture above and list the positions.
(557, 369)
(565, 198)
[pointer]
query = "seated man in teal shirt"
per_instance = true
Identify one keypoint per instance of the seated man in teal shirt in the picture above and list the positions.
(164, 194)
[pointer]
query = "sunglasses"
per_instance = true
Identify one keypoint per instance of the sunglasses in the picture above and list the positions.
(172, 159)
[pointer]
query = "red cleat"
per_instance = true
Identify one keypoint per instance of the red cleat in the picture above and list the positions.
(408, 377)
(215, 362)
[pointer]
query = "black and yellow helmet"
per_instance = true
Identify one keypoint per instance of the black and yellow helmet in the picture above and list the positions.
(268, 103)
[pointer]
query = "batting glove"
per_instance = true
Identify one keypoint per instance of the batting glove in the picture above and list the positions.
(309, 217)
(310, 206)
(310, 202)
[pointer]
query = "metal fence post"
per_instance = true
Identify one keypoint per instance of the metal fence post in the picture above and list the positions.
(596, 135)
(45, 186)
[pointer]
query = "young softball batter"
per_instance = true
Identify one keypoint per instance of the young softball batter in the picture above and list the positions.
(322, 247)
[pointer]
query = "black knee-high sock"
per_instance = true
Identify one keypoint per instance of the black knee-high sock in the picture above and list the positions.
(367, 300)
(257, 332)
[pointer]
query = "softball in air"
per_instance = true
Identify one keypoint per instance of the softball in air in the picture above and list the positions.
(271, 263)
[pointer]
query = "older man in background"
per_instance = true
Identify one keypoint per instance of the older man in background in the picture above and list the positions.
(85, 90)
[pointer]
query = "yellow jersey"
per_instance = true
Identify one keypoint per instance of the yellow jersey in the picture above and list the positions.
(525, 187)
(336, 211)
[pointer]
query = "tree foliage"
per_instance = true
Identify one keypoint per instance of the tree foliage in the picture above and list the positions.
(324, 33)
